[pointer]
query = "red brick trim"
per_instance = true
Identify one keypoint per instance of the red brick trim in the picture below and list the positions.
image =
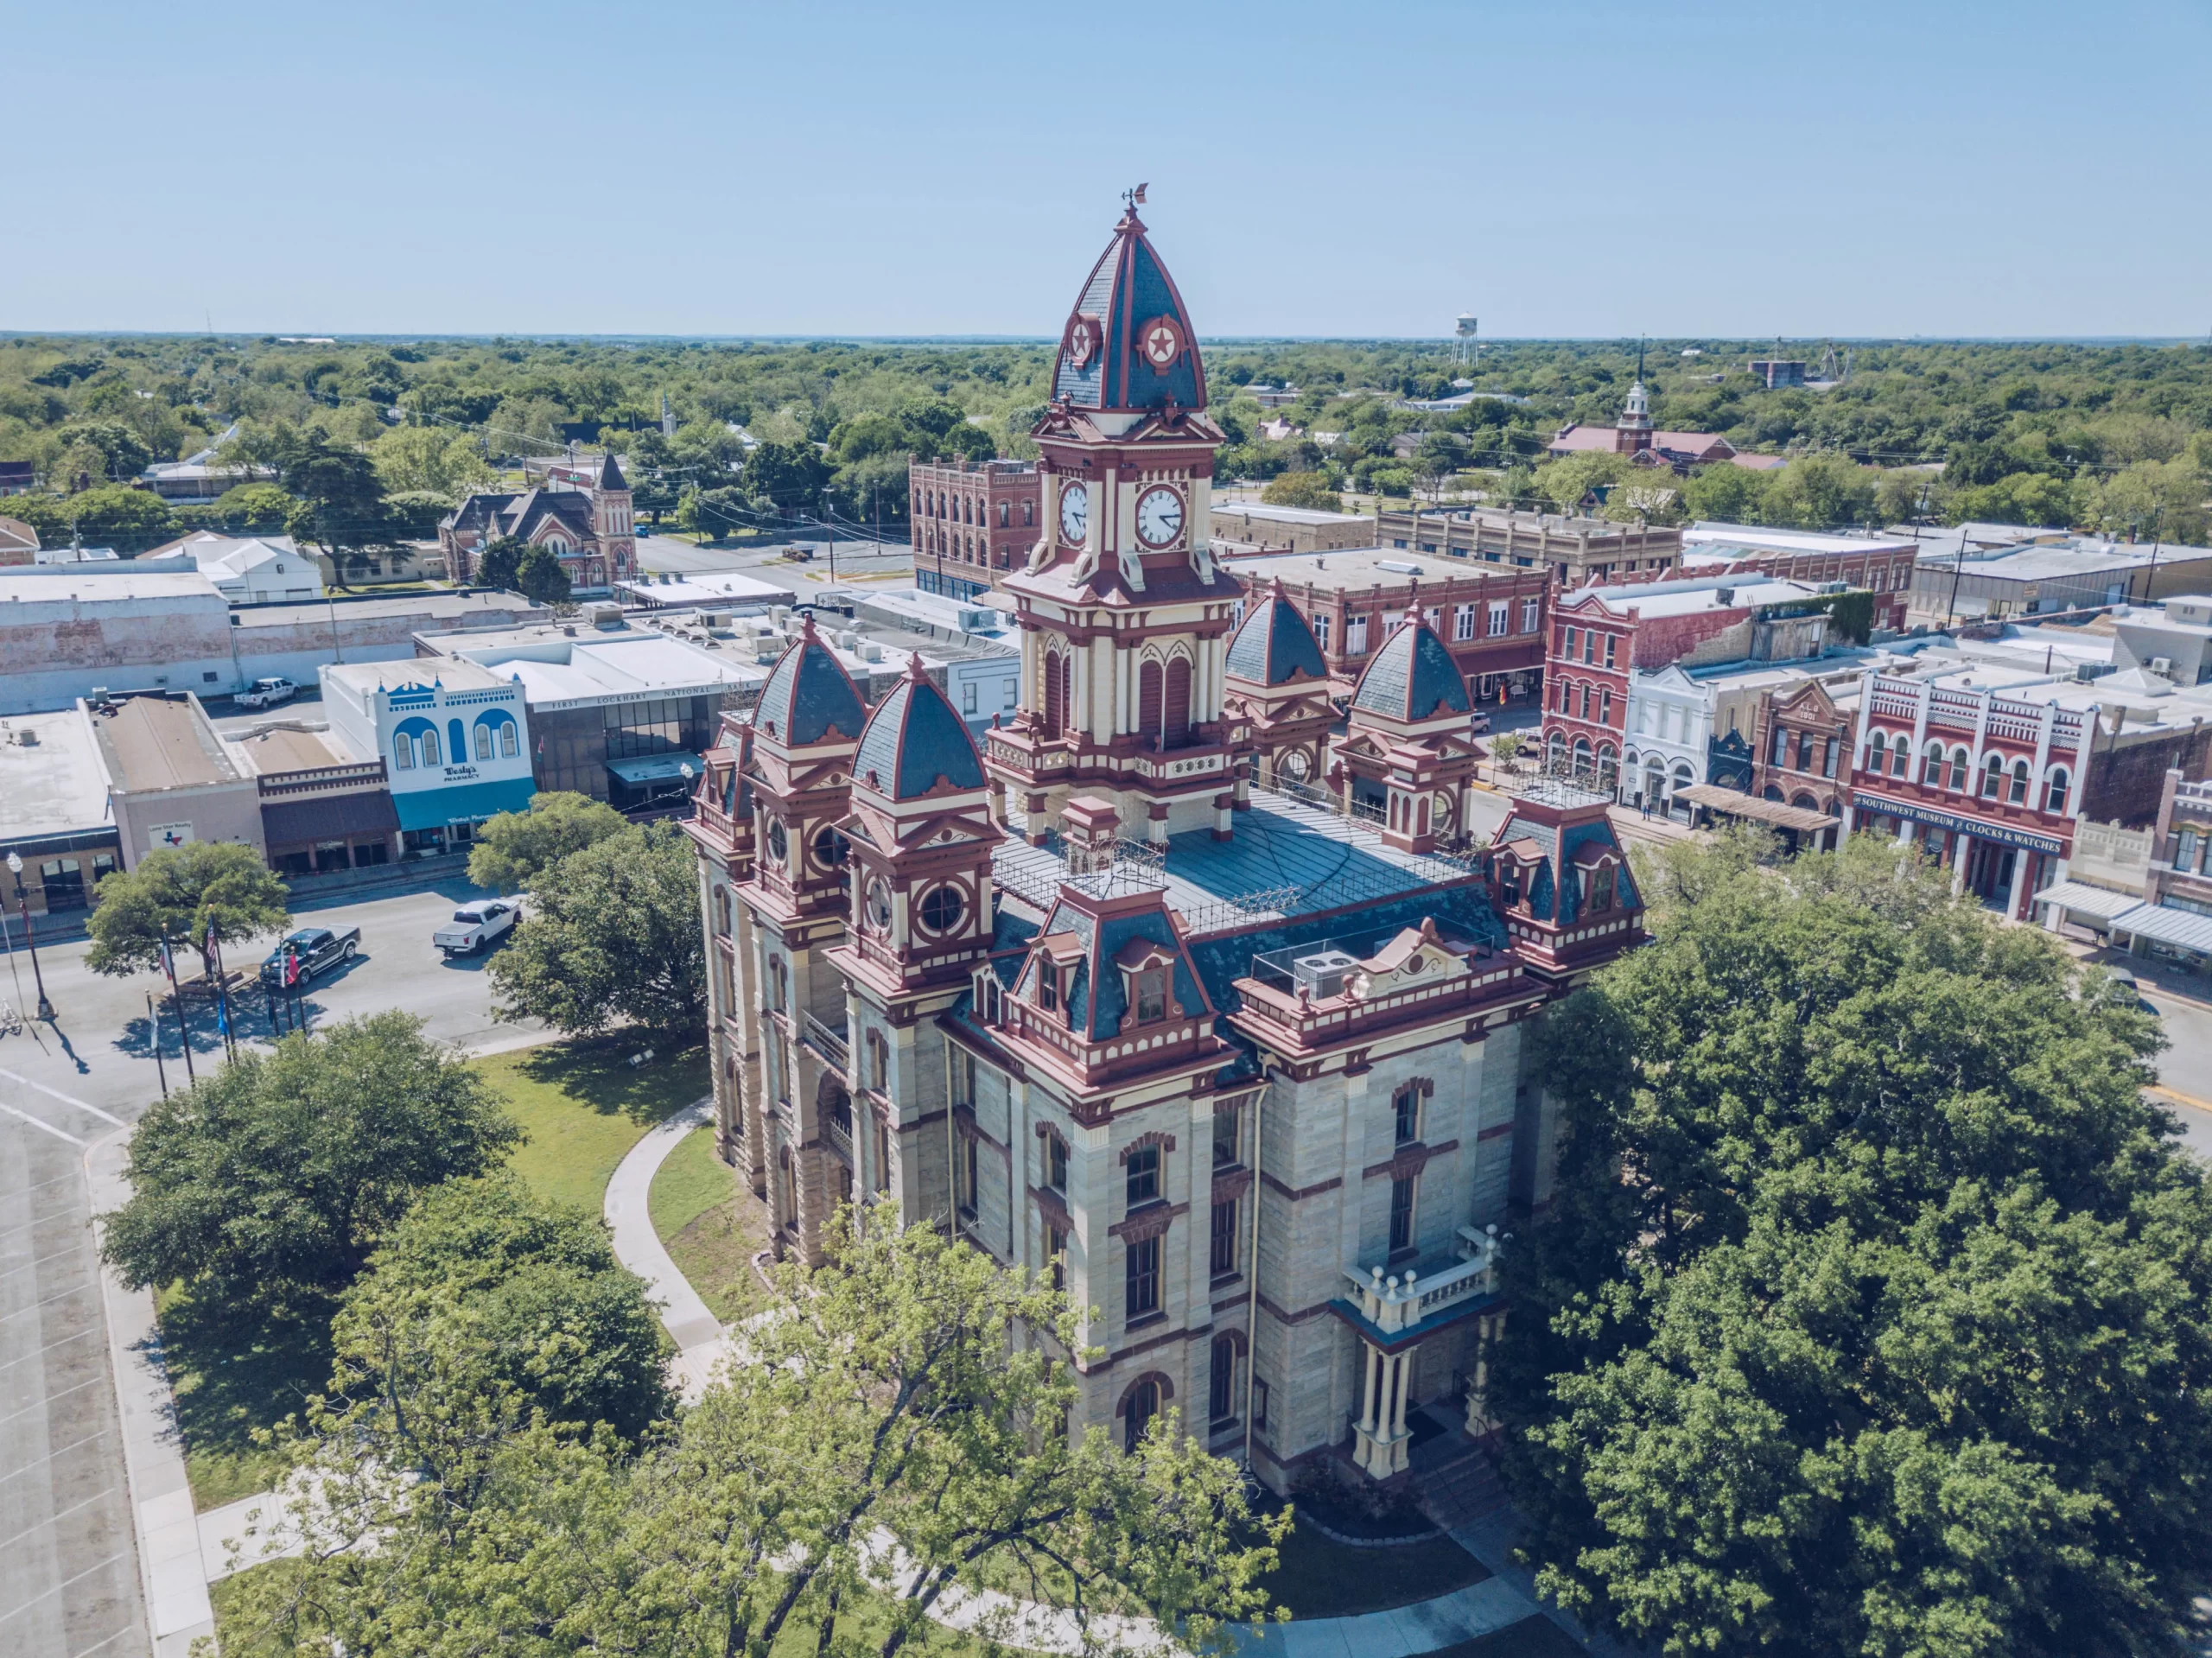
(1150, 1222)
(1298, 1194)
(1409, 1161)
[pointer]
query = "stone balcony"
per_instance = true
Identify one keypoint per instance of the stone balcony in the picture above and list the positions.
(1395, 1302)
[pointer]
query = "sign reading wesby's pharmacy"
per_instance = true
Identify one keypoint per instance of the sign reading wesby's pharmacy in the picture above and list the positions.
(2003, 834)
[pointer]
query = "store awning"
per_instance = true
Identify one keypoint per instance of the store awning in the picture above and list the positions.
(655, 768)
(2184, 928)
(462, 803)
(2084, 899)
(331, 817)
(1737, 804)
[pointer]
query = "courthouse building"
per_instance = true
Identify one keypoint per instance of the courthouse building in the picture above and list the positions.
(1245, 1069)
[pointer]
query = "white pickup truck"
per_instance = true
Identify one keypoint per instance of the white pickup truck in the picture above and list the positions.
(268, 693)
(474, 927)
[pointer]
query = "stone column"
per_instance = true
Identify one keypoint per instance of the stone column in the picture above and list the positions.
(1381, 1440)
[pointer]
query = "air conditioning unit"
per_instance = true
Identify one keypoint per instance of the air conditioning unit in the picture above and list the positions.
(2162, 666)
(1322, 974)
(974, 621)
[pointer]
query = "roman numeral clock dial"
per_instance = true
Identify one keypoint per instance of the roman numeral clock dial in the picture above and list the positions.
(1075, 512)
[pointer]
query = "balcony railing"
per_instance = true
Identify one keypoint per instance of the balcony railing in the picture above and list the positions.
(1397, 1301)
(825, 1041)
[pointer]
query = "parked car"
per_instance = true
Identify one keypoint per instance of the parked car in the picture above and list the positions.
(268, 693)
(474, 927)
(315, 950)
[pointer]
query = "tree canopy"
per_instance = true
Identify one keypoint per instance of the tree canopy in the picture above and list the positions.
(889, 1437)
(480, 1275)
(180, 893)
(270, 1182)
(540, 578)
(1871, 1313)
(614, 936)
(514, 848)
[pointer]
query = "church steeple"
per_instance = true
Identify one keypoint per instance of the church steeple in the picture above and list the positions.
(1634, 432)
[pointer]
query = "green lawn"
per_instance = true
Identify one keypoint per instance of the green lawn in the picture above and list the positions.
(712, 1225)
(583, 1107)
(1316, 1577)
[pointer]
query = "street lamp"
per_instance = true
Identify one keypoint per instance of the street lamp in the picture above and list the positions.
(23, 908)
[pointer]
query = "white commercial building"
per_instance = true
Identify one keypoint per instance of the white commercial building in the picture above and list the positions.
(249, 569)
(454, 738)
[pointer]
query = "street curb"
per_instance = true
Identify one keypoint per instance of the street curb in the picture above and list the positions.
(165, 1524)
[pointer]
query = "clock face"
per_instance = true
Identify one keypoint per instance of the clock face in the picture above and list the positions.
(1160, 516)
(1075, 511)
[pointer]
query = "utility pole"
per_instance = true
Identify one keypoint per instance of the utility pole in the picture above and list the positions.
(830, 527)
(161, 1069)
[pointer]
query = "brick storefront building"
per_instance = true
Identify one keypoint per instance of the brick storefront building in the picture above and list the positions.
(1598, 635)
(1881, 566)
(1575, 551)
(1491, 621)
(971, 520)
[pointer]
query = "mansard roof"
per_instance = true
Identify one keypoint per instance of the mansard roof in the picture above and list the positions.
(1273, 643)
(1128, 293)
(1097, 994)
(1412, 677)
(810, 697)
(914, 743)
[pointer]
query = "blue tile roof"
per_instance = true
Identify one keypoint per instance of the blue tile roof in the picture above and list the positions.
(808, 695)
(1272, 643)
(915, 741)
(1412, 676)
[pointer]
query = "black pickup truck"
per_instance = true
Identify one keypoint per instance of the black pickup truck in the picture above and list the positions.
(314, 950)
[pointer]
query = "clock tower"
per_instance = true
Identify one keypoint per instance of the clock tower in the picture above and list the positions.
(1124, 617)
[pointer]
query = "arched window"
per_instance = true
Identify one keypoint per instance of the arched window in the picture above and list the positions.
(879, 1063)
(1901, 756)
(1555, 751)
(2018, 793)
(1150, 700)
(483, 741)
(2054, 799)
(1175, 713)
(1876, 754)
(1806, 803)
(555, 546)
(1960, 759)
(1992, 776)
(1221, 1388)
(1804, 751)
(1585, 702)
(1609, 767)
(402, 752)
(1056, 693)
(1931, 770)
(1582, 767)
(1005, 513)
(1141, 1405)
(721, 911)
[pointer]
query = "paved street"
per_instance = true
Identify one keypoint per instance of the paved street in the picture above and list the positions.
(69, 1569)
(865, 560)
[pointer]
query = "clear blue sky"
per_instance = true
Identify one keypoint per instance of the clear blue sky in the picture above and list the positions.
(1345, 169)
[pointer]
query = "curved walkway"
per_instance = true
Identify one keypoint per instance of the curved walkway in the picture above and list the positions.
(1504, 1598)
(702, 1341)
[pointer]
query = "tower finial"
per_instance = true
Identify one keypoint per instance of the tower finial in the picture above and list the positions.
(1133, 200)
(1639, 356)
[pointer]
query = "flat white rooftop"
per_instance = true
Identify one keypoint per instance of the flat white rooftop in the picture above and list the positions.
(51, 783)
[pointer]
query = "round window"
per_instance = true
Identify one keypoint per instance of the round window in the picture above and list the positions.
(1294, 767)
(879, 904)
(780, 841)
(1441, 811)
(828, 848)
(942, 909)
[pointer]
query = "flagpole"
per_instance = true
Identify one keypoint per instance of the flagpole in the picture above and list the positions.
(222, 994)
(176, 995)
(160, 1069)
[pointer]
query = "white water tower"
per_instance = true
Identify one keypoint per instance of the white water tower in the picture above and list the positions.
(1463, 338)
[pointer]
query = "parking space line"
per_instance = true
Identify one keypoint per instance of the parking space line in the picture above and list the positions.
(51, 1455)
(48, 1399)
(41, 1123)
(27, 1357)
(74, 1289)
(44, 1593)
(65, 1099)
(105, 1490)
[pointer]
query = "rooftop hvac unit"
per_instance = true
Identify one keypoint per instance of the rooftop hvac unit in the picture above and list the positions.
(974, 621)
(1322, 974)
(2162, 664)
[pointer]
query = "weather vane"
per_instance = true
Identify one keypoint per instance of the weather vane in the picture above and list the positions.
(1133, 200)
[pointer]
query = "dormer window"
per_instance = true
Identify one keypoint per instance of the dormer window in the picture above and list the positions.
(1048, 987)
(1601, 889)
(1508, 884)
(1152, 995)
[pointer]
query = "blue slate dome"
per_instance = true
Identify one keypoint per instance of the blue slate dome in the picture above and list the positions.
(1412, 677)
(1272, 643)
(914, 743)
(1129, 343)
(809, 696)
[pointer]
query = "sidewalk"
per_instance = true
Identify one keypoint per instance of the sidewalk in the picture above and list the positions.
(700, 1340)
(169, 1559)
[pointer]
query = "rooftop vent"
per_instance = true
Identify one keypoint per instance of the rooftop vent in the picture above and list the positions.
(1403, 567)
(1322, 974)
